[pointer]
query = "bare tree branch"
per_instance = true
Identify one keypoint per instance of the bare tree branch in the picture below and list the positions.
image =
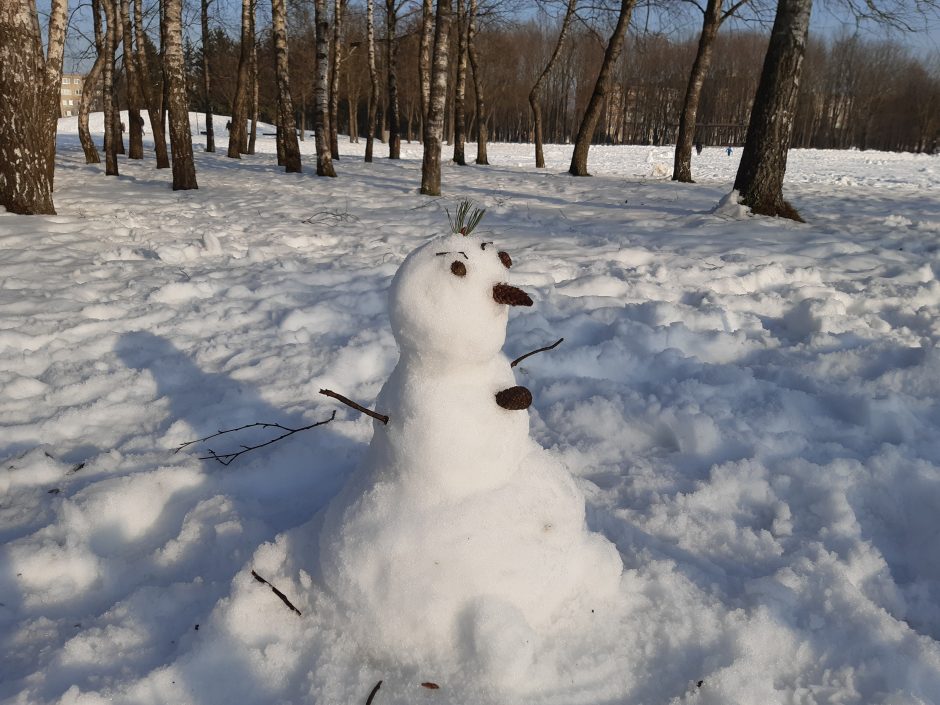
(529, 354)
(349, 402)
(227, 458)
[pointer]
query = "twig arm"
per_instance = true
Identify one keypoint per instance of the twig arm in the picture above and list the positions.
(349, 402)
(275, 591)
(529, 354)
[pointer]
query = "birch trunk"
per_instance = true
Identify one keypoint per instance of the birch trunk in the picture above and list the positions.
(84, 104)
(237, 134)
(535, 95)
(285, 105)
(373, 78)
(150, 96)
(460, 88)
(477, 83)
(29, 105)
(424, 54)
(112, 128)
(393, 111)
(322, 110)
(253, 72)
(682, 167)
(135, 127)
(206, 84)
(764, 160)
(181, 140)
(437, 98)
(335, 67)
(596, 104)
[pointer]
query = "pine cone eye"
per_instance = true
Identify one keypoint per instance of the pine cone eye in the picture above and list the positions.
(505, 259)
(458, 268)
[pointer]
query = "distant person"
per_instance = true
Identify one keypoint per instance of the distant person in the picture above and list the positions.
(729, 150)
(228, 125)
(698, 147)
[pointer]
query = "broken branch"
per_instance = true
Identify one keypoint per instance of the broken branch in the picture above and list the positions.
(227, 458)
(529, 354)
(276, 591)
(349, 402)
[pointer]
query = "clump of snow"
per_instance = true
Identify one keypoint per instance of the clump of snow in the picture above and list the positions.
(730, 207)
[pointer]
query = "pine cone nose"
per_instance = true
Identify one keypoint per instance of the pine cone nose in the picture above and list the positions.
(510, 295)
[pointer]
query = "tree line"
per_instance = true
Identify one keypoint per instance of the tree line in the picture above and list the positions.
(449, 71)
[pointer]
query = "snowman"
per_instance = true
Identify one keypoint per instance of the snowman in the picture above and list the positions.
(460, 543)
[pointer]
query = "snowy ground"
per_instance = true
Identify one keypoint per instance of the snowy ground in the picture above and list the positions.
(750, 405)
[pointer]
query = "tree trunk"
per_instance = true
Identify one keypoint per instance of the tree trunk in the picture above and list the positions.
(759, 180)
(535, 95)
(29, 105)
(286, 106)
(135, 131)
(322, 111)
(477, 83)
(682, 167)
(596, 103)
(424, 54)
(434, 125)
(181, 139)
(237, 135)
(373, 78)
(112, 127)
(394, 114)
(84, 104)
(460, 89)
(150, 97)
(206, 86)
(335, 67)
(253, 74)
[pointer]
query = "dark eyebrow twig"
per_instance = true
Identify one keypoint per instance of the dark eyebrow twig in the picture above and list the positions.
(441, 254)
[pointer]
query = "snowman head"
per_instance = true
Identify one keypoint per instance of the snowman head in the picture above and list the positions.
(449, 299)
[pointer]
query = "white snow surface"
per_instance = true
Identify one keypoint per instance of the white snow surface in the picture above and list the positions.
(748, 405)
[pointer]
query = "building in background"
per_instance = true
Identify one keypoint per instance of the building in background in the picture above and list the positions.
(71, 94)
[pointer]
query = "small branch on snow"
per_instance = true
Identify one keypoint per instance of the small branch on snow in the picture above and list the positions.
(529, 354)
(349, 402)
(227, 458)
(374, 691)
(276, 591)
(430, 686)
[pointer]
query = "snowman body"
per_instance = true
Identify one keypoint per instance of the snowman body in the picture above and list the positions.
(459, 536)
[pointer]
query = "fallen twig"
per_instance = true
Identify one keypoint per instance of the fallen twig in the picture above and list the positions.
(349, 402)
(374, 691)
(276, 591)
(226, 458)
(529, 354)
(430, 686)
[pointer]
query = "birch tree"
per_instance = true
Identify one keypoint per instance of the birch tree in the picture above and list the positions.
(434, 125)
(181, 140)
(424, 54)
(238, 132)
(91, 79)
(339, 7)
(391, 64)
(135, 127)
(322, 91)
(206, 82)
(112, 127)
(535, 95)
(477, 82)
(460, 87)
(285, 105)
(30, 82)
(373, 78)
(763, 165)
(712, 19)
(152, 99)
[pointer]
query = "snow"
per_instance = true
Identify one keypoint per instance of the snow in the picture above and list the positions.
(748, 407)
